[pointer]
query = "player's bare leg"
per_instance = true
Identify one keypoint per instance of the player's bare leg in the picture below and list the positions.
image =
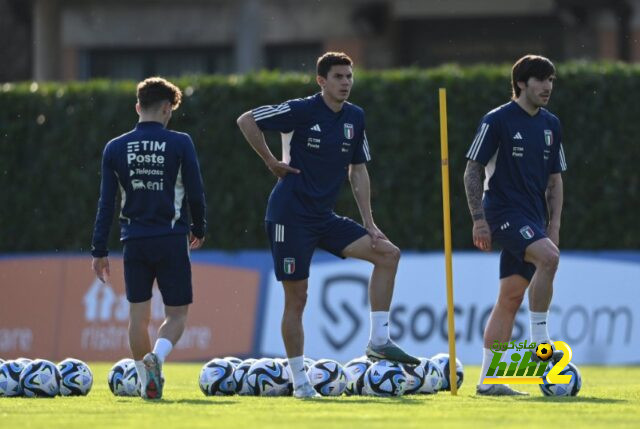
(139, 318)
(168, 335)
(499, 328)
(385, 257)
(295, 299)
(544, 254)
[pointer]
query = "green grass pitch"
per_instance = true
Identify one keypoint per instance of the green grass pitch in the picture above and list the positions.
(610, 397)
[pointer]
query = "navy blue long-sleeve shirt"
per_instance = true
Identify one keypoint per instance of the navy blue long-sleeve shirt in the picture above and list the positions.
(158, 175)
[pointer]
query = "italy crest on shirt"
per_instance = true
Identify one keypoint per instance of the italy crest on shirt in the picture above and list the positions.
(348, 131)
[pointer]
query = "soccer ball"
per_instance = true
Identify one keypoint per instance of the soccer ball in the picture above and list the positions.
(131, 382)
(433, 376)
(240, 377)
(544, 351)
(40, 378)
(327, 377)
(384, 378)
(10, 378)
(415, 378)
(216, 378)
(76, 377)
(115, 378)
(442, 359)
(268, 377)
(570, 389)
(234, 360)
(355, 370)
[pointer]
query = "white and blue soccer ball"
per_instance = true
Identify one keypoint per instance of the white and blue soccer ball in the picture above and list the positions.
(234, 360)
(40, 378)
(132, 384)
(570, 389)
(76, 377)
(10, 378)
(240, 377)
(442, 359)
(327, 377)
(268, 377)
(433, 376)
(115, 378)
(385, 378)
(216, 378)
(355, 370)
(415, 378)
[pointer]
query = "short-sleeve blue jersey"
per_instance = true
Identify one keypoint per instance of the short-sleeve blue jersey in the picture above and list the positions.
(519, 152)
(158, 175)
(322, 145)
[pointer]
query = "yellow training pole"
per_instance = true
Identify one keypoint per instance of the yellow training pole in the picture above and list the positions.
(446, 215)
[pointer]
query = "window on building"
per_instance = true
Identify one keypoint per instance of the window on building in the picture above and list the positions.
(140, 63)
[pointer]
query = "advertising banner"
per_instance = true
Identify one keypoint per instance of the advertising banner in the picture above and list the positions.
(54, 307)
(594, 308)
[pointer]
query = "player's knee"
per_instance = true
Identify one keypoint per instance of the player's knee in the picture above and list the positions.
(511, 302)
(295, 302)
(390, 258)
(550, 260)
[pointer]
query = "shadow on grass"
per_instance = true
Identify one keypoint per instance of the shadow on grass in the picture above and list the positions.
(365, 400)
(573, 399)
(186, 401)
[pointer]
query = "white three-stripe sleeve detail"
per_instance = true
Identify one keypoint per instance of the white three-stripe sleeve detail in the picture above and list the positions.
(365, 147)
(563, 161)
(477, 142)
(270, 111)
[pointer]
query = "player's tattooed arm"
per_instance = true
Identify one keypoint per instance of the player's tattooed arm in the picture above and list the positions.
(554, 196)
(473, 185)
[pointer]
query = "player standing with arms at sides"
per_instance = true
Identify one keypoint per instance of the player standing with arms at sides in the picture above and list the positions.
(158, 175)
(519, 147)
(327, 142)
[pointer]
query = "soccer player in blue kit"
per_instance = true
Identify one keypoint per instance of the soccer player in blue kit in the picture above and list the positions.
(158, 174)
(519, 147)
(327, 143)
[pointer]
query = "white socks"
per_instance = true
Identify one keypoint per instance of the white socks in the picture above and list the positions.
(300, 377)
(142, 373)
(162, 348)
(539, 332)
(379, 327)
(487, 356)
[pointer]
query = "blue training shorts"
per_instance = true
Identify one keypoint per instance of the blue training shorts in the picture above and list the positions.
(292, 246)
(515, 232)
(165, 259)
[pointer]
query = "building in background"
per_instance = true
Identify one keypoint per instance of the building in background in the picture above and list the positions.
(131, 39)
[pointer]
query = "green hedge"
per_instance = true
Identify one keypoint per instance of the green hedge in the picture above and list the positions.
(52, 136)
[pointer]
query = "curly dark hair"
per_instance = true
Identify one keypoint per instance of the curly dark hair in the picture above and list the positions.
(154, 90)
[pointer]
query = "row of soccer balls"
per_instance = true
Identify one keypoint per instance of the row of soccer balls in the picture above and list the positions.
(40, 377)
(360, 376)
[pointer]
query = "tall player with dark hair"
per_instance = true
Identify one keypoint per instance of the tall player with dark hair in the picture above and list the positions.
(327, 142)
(518, 205)
(158, 175)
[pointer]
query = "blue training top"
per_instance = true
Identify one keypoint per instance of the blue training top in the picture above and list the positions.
(156, 170)
(322, 145)
(519, 152)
